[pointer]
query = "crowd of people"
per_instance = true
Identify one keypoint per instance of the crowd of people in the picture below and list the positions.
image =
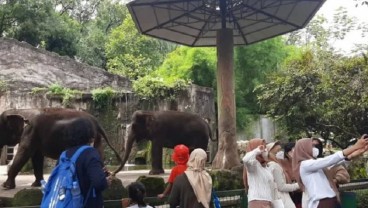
(298, 176)
(291, 175)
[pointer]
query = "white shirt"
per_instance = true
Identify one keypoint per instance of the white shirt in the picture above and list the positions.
(136, 206)
(282, 188)
(260, 179)
(314, 179)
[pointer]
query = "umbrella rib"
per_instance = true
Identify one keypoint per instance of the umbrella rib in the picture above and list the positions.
(272, 16)
(171, 20)
(133, 3)
(200, 31)
(240, 31)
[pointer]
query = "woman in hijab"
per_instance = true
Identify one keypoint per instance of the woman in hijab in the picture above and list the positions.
(312, 174)
(286, 163)
(257, 176)
(193, 188)
(282, 187)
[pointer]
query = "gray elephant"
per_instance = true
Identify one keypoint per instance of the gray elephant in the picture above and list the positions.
(39, 133)
(166, 129)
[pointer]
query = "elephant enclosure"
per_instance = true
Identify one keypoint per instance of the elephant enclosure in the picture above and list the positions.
(115, 117)
(25, 68)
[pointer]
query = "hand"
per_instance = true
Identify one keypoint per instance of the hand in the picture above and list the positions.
(161, 196)
(357, 152)
(109, 180)
(362, 142)
(106, 171)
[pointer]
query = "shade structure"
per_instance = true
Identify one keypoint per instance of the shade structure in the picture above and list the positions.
(222, 23)
(195, 22)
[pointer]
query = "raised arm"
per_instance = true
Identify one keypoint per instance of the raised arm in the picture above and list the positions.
(250, 159)
(280, 180)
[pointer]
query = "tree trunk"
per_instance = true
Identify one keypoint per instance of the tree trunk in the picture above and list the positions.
(227, 155)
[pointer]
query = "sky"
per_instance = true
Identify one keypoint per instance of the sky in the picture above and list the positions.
(360, 12)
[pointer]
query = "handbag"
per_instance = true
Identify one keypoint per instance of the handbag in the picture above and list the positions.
(277, 203)
(215, 199)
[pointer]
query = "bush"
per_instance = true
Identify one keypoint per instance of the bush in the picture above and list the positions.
(362, 198)
(102, 97)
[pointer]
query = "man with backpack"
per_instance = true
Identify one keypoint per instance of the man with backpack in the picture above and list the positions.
(79, 178)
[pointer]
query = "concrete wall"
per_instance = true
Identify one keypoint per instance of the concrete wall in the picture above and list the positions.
(115, 118)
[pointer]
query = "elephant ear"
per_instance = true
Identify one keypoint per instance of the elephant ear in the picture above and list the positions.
(15, 123)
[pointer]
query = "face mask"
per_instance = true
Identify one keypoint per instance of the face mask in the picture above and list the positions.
(280, 155)
(315, 152)
(265, 155)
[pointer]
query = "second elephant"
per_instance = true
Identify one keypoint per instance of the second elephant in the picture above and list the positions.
(166, 129)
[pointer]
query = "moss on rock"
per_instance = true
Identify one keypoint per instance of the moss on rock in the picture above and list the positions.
(226, 180)
(27, 197)
(154, 185)
(115, 191)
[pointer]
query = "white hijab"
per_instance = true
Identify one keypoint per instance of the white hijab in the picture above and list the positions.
(198, 177)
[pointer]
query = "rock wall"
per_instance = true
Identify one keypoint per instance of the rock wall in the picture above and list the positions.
(115, 117)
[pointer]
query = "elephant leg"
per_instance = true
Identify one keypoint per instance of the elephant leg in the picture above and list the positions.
(156, 156)
(20, 159)
(37, 163)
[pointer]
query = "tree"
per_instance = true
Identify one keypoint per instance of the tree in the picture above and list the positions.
(252, 63)
(91, 46)
(131, 54)
(311, 97)
(36, 22)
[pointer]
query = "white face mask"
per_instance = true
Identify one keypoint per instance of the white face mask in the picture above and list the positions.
(280, 155)
(315, 152)
(265, 155)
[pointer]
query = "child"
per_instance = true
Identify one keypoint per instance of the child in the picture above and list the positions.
(180, 157)
(137, 192)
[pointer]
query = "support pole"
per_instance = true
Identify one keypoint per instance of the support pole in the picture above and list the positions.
(227, 155)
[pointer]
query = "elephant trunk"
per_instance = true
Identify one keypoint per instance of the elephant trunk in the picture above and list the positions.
(128, 147)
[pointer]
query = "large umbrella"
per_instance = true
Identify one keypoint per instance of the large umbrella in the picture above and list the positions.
(222, 23)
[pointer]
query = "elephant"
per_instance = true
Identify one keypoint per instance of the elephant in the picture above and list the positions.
(39, 133)
(166, 129)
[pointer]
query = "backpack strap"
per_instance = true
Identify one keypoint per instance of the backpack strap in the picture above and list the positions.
(78, 152)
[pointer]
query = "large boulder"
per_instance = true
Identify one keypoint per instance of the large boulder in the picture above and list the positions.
(27, 197)
(154, 185)
(115, 191)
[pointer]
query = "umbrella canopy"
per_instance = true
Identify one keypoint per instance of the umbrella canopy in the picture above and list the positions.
(222, 23)
(195, 22)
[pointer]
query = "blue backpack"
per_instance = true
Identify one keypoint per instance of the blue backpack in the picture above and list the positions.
(62, 189)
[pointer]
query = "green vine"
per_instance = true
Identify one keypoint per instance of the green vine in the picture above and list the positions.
(66, 94)
(3, 86)
(152, 87)
(102, 97)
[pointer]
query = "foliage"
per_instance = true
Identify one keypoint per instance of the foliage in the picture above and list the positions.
(362, 198)
(37, 23)
(3, 86)
(67, 94)
(39, 90)
(252, 63)
(152, 87)
(196, 65)
(102, 97)
(357, 169)
(325, 96)
(91, 46)
(131, 54)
